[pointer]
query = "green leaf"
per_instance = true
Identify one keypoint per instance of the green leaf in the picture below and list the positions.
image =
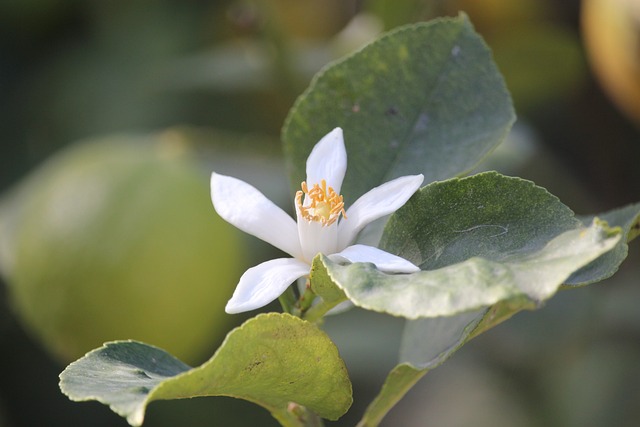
(479, 241)
(487, 215)
(120, 374)
(426, 343)
(275, 360)
(323, 286)
(426, 98)
(487, 198)
(628, 219)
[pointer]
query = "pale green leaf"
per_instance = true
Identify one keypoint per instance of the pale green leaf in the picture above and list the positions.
(628, 219)
(483, 238)
(479, 241)
(426, 343)
(425, 98)
(275, 360)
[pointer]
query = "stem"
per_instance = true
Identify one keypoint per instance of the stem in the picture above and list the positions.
(318, 311)
(306, 299)
(398, 383)
(288, 302)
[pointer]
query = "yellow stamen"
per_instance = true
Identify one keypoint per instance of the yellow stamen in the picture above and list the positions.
(323, 204)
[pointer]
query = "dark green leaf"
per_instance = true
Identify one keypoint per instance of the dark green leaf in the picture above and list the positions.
(120, 374)
(487, 215)
(479, 241)
(482, 238)
(274, 360)
(426, 98)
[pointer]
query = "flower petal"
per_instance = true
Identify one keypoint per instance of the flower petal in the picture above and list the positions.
(328, 161)
(316, 238)
(264, 283)
(384, 261)
(376, 203)
(248, 209)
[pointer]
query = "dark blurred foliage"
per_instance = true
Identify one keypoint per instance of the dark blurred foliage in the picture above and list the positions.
(72, 69)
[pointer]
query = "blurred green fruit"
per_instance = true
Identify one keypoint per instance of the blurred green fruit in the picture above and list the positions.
(117, 239)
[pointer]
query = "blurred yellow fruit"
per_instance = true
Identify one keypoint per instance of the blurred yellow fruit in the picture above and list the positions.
(611, 30)
(117, 239)
(490, 15)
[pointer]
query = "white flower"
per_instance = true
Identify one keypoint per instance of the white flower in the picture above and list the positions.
(322, 226)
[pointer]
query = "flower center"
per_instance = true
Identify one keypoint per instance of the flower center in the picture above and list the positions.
(322, 203)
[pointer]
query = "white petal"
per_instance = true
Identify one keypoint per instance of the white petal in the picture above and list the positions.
(316, 238)
(264, 283)
(328, 161)
(248, 209)
(384, 261)
(376, 203)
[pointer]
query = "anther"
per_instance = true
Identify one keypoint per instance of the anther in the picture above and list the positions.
(322, 204)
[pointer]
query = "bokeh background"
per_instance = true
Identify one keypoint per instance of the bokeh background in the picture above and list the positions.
(114, 113)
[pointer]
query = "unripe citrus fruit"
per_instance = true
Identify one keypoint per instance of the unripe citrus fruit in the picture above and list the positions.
(117, 239)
